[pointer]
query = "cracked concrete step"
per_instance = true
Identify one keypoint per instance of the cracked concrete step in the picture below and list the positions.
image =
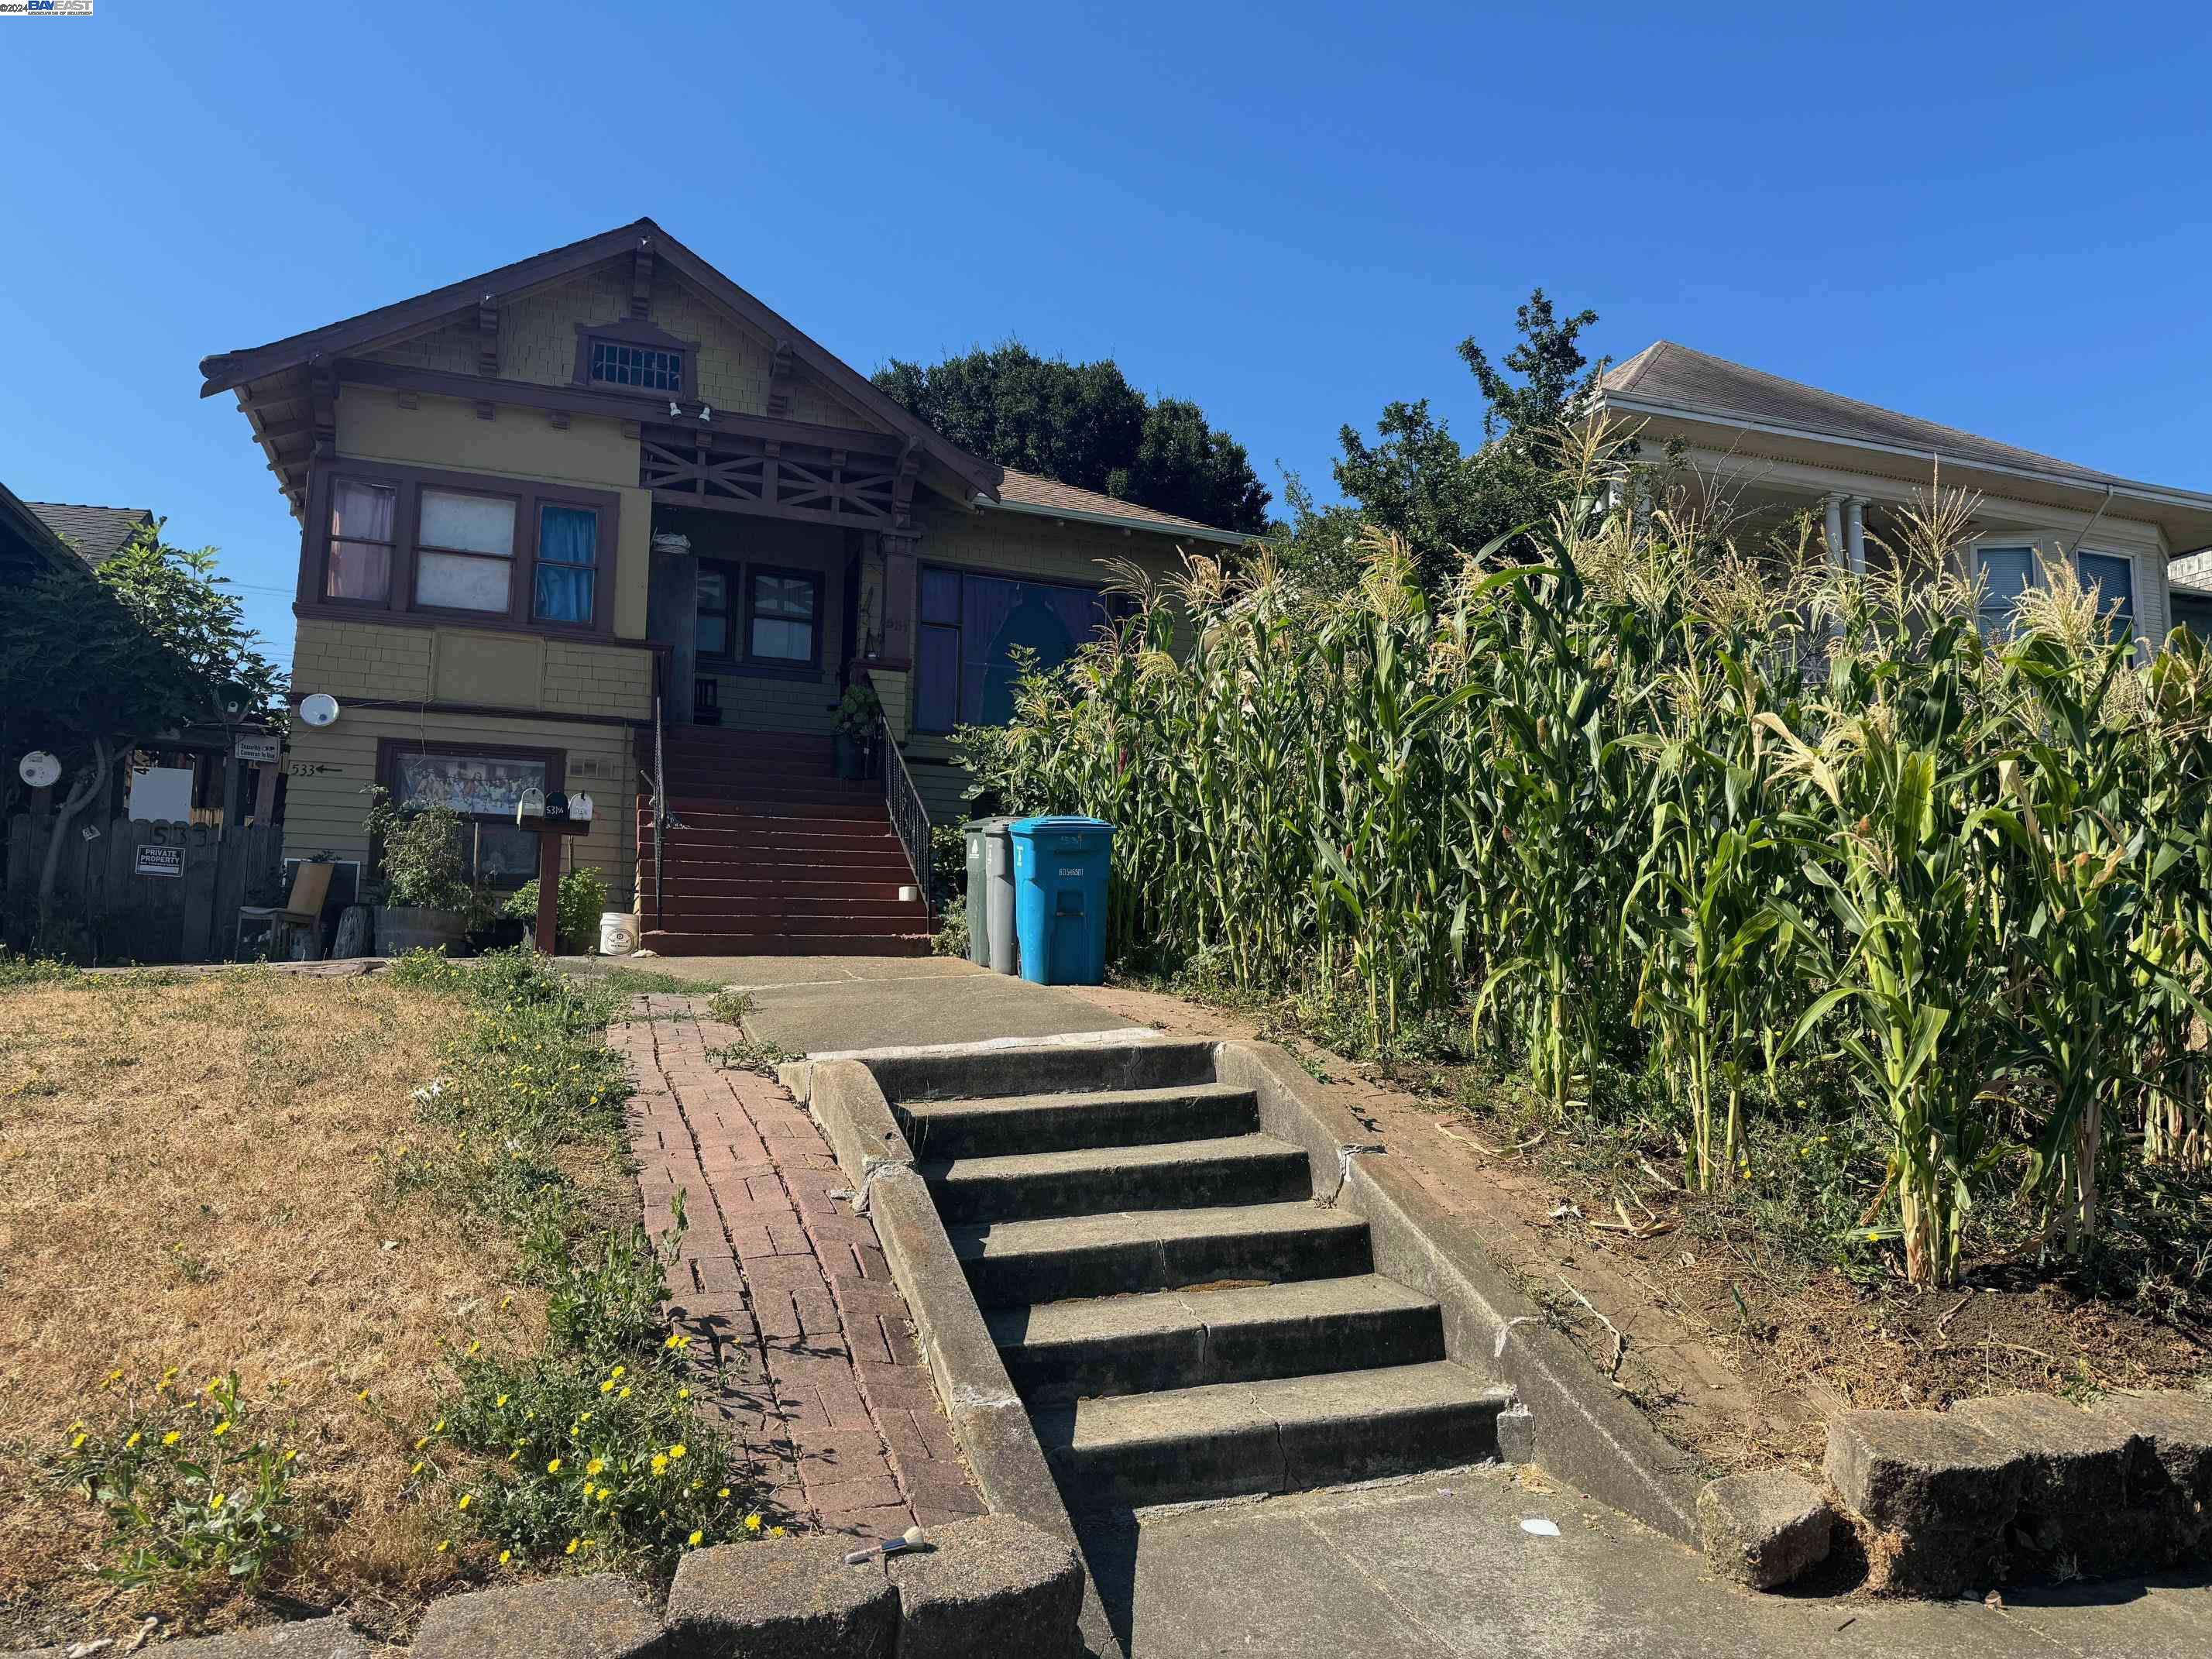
(1178, 1175)
(1063, 1350)
(1286, 1435)
(1056, 1123)
(1029, 1261)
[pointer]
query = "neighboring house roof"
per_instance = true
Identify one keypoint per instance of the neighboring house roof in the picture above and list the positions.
(1667, 379)
(2191, 575)
(287, 443)
(98, 533)
(1026, 492)
(29, 547)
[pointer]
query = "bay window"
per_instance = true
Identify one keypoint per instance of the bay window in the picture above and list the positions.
(2006, 572)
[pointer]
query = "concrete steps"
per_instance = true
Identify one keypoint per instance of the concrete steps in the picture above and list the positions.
(1061, 1123)
(1059, 1352)
(1029, 1186)
(1180, 1315)
(1283, 1435)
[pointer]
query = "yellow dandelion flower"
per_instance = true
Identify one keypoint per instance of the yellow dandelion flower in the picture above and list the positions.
(571, 1550)
(113, 1378)
(421, 1441)
(445, 1544)
(607, 1386)
(217, 1502)
(618, 1371)
(554, 1467)
(171, 1439)
(474, 1347)
(684, 1393)
(76, 1441)
(776, 1532)
(660, 1463)
(133, 1442)
(463, 1503)
(752, 1522)
(624, 1394)
(696, 1538)
(595, 1466)
(724, 1493)
(220, 1429)
(362, 1396)
(418, 1469)
(679, 1449)
(499, 1402)
(438, 1427)
(506, 1556)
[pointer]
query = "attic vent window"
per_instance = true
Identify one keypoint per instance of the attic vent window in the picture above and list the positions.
(647, 368)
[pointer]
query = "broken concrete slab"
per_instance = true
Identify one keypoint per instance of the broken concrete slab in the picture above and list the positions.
(2077, 1511)
(785, 1599)
(2178, 1428)
(598, 1617)
(1763, 1528)
(1938, 1493)
(993, 1585)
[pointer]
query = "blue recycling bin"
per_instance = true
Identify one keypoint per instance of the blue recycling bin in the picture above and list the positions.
(1060, 898)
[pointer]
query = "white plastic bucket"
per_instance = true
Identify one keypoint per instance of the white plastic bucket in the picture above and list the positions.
(618, 932)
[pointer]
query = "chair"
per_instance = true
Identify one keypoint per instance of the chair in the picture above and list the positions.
(311, 885)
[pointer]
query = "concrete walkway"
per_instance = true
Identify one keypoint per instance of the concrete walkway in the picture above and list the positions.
(1440, 1568)
(820, 1378)
(811, 1004)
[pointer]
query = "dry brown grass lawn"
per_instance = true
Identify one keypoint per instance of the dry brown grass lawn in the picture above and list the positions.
(188, 1178)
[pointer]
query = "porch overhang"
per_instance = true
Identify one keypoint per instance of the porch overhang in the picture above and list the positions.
(1744, 443)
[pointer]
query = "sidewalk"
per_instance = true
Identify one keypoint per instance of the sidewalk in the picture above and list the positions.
(819, 1375)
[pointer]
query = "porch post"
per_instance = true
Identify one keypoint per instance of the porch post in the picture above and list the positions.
(1855, 532)
(1835, 504)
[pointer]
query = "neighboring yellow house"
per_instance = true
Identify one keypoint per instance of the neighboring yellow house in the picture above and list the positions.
(601, 516)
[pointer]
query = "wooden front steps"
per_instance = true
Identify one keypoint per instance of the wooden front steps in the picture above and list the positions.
(770, 854)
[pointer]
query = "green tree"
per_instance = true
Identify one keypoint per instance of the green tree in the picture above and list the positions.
(94, 665)
(1085, 424)
(1414, 478)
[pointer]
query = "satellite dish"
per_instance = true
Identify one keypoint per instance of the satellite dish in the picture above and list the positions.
(38, 769)
(320, 709)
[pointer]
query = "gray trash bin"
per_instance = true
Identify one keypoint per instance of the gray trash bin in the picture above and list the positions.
(990, 893)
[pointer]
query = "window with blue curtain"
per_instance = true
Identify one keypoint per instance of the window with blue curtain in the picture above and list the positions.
(2113, 576)
(568, 564)
(976, 633)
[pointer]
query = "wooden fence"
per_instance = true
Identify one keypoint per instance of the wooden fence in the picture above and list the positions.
(139, 892)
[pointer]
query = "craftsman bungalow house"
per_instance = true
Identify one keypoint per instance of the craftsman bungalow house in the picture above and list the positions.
(601, 517)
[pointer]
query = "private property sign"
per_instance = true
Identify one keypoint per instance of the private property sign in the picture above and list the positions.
(160, 861)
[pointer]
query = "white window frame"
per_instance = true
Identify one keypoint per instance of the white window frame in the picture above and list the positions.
(2045, 544)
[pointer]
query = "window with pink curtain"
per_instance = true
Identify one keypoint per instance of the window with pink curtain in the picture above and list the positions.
(362, 517)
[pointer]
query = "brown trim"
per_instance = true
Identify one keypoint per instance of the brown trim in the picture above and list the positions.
(624, 331)
(494, 711)
(527, 494)
(389, 324)
(368, 616)
(614, 404)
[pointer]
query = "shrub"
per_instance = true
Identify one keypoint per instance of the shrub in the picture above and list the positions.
(578, 906)
(422, 853)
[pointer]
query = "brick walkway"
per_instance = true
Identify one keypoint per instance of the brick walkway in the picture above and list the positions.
(819, 1376)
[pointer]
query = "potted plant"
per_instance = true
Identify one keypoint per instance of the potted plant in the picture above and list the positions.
(857, 717)
(427, 905)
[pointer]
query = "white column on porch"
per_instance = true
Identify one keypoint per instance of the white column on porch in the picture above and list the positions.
(1835, 504)
(1855, 532)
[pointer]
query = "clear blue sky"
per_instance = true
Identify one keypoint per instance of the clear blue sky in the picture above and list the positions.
(1997, 216)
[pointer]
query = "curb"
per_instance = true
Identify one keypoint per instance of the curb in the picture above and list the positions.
(988, 1417)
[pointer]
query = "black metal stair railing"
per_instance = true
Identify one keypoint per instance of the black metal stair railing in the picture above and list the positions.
(909, 818)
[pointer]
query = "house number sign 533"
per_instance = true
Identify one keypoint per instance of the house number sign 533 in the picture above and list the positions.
(312, 769)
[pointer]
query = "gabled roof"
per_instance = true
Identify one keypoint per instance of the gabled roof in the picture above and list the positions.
(1026, 492)
(29, 547)
(98, 533)
(230, 370)
(1666, 373)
